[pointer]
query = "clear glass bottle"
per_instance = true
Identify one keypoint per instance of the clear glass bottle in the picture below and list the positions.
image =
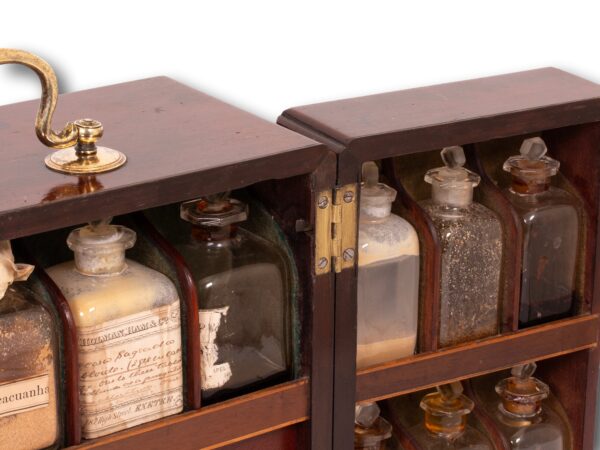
(129, 332)
(244, 293)
(471, 244)
(521, 415)
(29, 412)
(371, 431)
(550, 220)
(445, 424)
(388, 276)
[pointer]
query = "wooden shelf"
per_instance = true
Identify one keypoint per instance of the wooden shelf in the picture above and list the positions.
(217, 425)
(477, 358)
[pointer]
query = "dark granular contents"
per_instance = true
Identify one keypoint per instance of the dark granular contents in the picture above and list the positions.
(471, 241)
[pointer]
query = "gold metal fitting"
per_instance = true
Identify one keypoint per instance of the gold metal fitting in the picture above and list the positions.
(77, 140)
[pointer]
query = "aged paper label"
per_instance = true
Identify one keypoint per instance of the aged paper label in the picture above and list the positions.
(24, 395)
(213, 375)
(130, 370)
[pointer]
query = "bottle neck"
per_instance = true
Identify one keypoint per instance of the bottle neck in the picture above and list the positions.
(514, 409)
(452, 196)
(445, 426)
(222, 234)
(375, 212)
(103, 262)
(529, 187)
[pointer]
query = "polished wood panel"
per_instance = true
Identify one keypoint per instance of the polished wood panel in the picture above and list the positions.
(217, 425)
(179, 143)
(477, 358)
(282, 439)
(190, 323)
(316, 299)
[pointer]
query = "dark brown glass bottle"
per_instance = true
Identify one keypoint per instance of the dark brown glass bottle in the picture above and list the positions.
(243, 286)
(550, 221)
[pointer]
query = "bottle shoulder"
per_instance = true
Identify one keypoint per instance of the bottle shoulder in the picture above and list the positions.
(209, 258)
(471, 439)
(25, 326)
(474, 211)
(385, 239)
(472, 221)
(97, 299)
(553, 198)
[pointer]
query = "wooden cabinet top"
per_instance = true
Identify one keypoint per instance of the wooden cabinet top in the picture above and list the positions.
(422, 119)
(179, 142)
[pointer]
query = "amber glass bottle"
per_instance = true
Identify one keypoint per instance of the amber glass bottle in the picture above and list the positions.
(522, 416)
(29, 413)
(471, 244)
(445, 424)
(243, 286)
(371, 432)
(550, 221)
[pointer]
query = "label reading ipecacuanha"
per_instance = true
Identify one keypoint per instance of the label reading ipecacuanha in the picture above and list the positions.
(24, 395)
(130, 370)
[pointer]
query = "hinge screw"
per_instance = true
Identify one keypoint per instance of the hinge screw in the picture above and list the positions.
(323, 202)
(348, 254)
(323, 263)
(348, 196)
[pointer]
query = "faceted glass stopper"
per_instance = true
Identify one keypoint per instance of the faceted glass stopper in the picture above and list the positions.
(532, 166)
(522, 394)
(453, 157)
(446, 410)
(214, 211)
(365, 414)
(533, 148)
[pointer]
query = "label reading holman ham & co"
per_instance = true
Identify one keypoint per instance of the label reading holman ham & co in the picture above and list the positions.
(24, 395)
(130, 370)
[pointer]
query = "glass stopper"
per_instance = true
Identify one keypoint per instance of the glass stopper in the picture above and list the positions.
(533, 148)
(365, 414)
(370, 174)
(453, 157)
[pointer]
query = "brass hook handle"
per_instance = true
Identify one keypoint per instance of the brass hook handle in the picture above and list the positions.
(43, 123)
(79, 154)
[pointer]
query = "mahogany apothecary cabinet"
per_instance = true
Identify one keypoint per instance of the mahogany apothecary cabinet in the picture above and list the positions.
(181, 144)
(489, 117)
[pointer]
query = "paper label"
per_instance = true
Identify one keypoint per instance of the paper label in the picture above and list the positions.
(24, 395)
(212, 375)
(130, 370)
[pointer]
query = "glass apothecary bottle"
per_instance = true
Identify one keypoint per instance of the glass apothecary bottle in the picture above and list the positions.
(29, 363)
(550, 221)
(371, 431)
(388, 276)
(129, 332)
(471, 245)
(522, 416)
(244, 294)
(445, 422)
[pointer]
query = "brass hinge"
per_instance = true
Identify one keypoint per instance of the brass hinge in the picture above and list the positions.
(335, 229)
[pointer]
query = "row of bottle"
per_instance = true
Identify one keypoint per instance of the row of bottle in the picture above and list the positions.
(129, 327)
(514, 413)
(471, 242)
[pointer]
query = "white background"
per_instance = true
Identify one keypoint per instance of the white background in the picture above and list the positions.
(265, 56)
